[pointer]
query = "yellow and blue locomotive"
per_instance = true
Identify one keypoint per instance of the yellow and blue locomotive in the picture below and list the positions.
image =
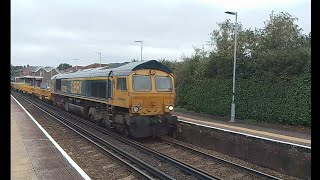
(136, 98)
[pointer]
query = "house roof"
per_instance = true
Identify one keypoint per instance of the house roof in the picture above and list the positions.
(37, 68)
(48, 69)
(119, 71)
(34, 68)
(95, 65)
(73, 68)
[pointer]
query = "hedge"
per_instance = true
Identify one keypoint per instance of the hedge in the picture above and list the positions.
(275, 101)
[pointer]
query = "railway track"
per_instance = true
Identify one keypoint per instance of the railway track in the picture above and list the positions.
(159, 166)
(205, 166)
(212, 164)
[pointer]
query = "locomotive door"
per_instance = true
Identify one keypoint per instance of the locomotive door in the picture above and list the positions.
(121, 92)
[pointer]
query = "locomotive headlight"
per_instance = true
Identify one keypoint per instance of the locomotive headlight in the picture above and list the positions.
(135, 109)
(170, 108)
(167, 106)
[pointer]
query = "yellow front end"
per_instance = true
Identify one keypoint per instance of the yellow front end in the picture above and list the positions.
(151, 99)
(152, 92)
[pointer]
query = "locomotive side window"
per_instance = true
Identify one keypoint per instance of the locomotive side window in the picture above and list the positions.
(94, 88)
(163, 83)
(122, 84)
(58, 84)
(102, 89)
(98, 88)
(141, 83)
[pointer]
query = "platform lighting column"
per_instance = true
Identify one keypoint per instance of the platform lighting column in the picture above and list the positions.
(141, 47)
(100, 57)
(233, 105)
(76, 63)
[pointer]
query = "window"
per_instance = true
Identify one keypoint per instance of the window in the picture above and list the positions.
(163, 83)
(99, 88)
(141, 83)
(58, 84)
(122, 84)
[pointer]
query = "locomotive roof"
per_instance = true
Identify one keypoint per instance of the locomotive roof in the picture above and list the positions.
(119, 71)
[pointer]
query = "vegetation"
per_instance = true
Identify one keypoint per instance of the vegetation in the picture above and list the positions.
(273, 75)
(14, 71)
(64, 66)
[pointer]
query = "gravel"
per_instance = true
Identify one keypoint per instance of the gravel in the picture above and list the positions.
(219, 155)
(95, 163)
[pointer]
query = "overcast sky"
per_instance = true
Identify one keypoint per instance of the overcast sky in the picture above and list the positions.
(49, 32)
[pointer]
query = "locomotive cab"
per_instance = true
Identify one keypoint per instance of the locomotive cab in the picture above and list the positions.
(152, 100)
(152, 93)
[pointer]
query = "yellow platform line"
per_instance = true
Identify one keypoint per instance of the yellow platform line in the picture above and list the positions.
(229, 127)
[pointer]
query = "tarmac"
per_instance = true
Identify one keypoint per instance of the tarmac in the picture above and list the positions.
(34, 154)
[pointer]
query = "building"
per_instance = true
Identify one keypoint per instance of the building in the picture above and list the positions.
(27, 71)
(46, 73)
(32, 80)
(37, 75)
(72, 69)
(79, 68)
(41, 76)
(95, 65)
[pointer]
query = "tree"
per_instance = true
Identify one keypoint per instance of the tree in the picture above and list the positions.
(14, 70)
(221, 53)
(191, 68)
(64, 66)
(170, 63)
(282, 51)
(277, 50)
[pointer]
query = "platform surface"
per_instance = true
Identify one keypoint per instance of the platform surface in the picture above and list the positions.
(33, 155)
(299, 138)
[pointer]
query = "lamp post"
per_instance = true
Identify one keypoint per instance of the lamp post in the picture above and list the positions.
(76, 63)
(233, 105)
(141, 47)
(62, 65)
(100, 57)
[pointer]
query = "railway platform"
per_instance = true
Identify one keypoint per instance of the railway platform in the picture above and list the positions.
(302, 138)
(34, 154)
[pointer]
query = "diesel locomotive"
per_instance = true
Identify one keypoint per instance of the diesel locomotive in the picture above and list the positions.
(136, 99)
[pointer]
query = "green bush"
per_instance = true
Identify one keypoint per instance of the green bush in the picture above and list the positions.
(274, 101)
